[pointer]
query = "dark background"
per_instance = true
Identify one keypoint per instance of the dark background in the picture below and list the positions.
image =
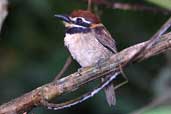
(32, 53)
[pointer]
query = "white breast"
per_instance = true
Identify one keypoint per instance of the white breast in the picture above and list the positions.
(86, 49)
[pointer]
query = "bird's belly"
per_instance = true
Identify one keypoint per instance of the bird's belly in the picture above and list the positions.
(86, 50)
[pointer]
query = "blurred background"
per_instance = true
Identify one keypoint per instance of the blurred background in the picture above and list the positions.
(32, 53)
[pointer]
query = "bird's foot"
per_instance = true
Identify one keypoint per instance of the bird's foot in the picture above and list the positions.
(99, 63)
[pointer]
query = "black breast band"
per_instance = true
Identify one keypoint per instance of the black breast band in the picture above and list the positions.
(77, 30)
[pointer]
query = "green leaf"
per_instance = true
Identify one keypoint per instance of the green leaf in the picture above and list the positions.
(162, 3)
(160, 110)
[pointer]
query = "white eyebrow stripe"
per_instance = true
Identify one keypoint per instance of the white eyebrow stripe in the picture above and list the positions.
(73, 25)
(75, 18)
(78, 26)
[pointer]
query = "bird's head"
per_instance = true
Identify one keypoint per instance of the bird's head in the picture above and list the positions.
(80, 19)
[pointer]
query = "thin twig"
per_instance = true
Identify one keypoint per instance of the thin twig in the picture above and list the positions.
(156, 37)
(65, 67)
(89, 5)
(3, 11)
(81, 98)
(139, 7)
(131, 6)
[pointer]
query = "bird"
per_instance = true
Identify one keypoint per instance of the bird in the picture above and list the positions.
(89, 42)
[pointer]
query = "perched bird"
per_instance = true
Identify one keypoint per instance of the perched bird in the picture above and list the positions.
(89, 42)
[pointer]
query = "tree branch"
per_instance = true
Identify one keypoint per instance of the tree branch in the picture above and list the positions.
(131, 6)
(76, 80)
(3, 11)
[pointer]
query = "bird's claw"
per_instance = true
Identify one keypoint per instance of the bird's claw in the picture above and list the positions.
(99, 63)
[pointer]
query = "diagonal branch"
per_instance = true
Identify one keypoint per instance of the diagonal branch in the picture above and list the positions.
(3, 11)
(131, 6)
(78, 79)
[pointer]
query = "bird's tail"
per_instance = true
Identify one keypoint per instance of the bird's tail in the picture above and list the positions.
(110, 93)
(110, 89)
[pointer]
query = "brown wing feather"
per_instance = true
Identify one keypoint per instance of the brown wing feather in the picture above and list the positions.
(104, 37)
(107, 41)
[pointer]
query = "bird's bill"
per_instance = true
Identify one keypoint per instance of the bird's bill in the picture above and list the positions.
(64, 18)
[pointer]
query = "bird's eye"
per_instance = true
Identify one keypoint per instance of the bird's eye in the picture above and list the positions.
(79, 20)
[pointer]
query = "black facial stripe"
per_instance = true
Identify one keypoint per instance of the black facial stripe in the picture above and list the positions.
(77, 30)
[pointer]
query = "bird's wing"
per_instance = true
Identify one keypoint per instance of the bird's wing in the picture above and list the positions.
(104, 37)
